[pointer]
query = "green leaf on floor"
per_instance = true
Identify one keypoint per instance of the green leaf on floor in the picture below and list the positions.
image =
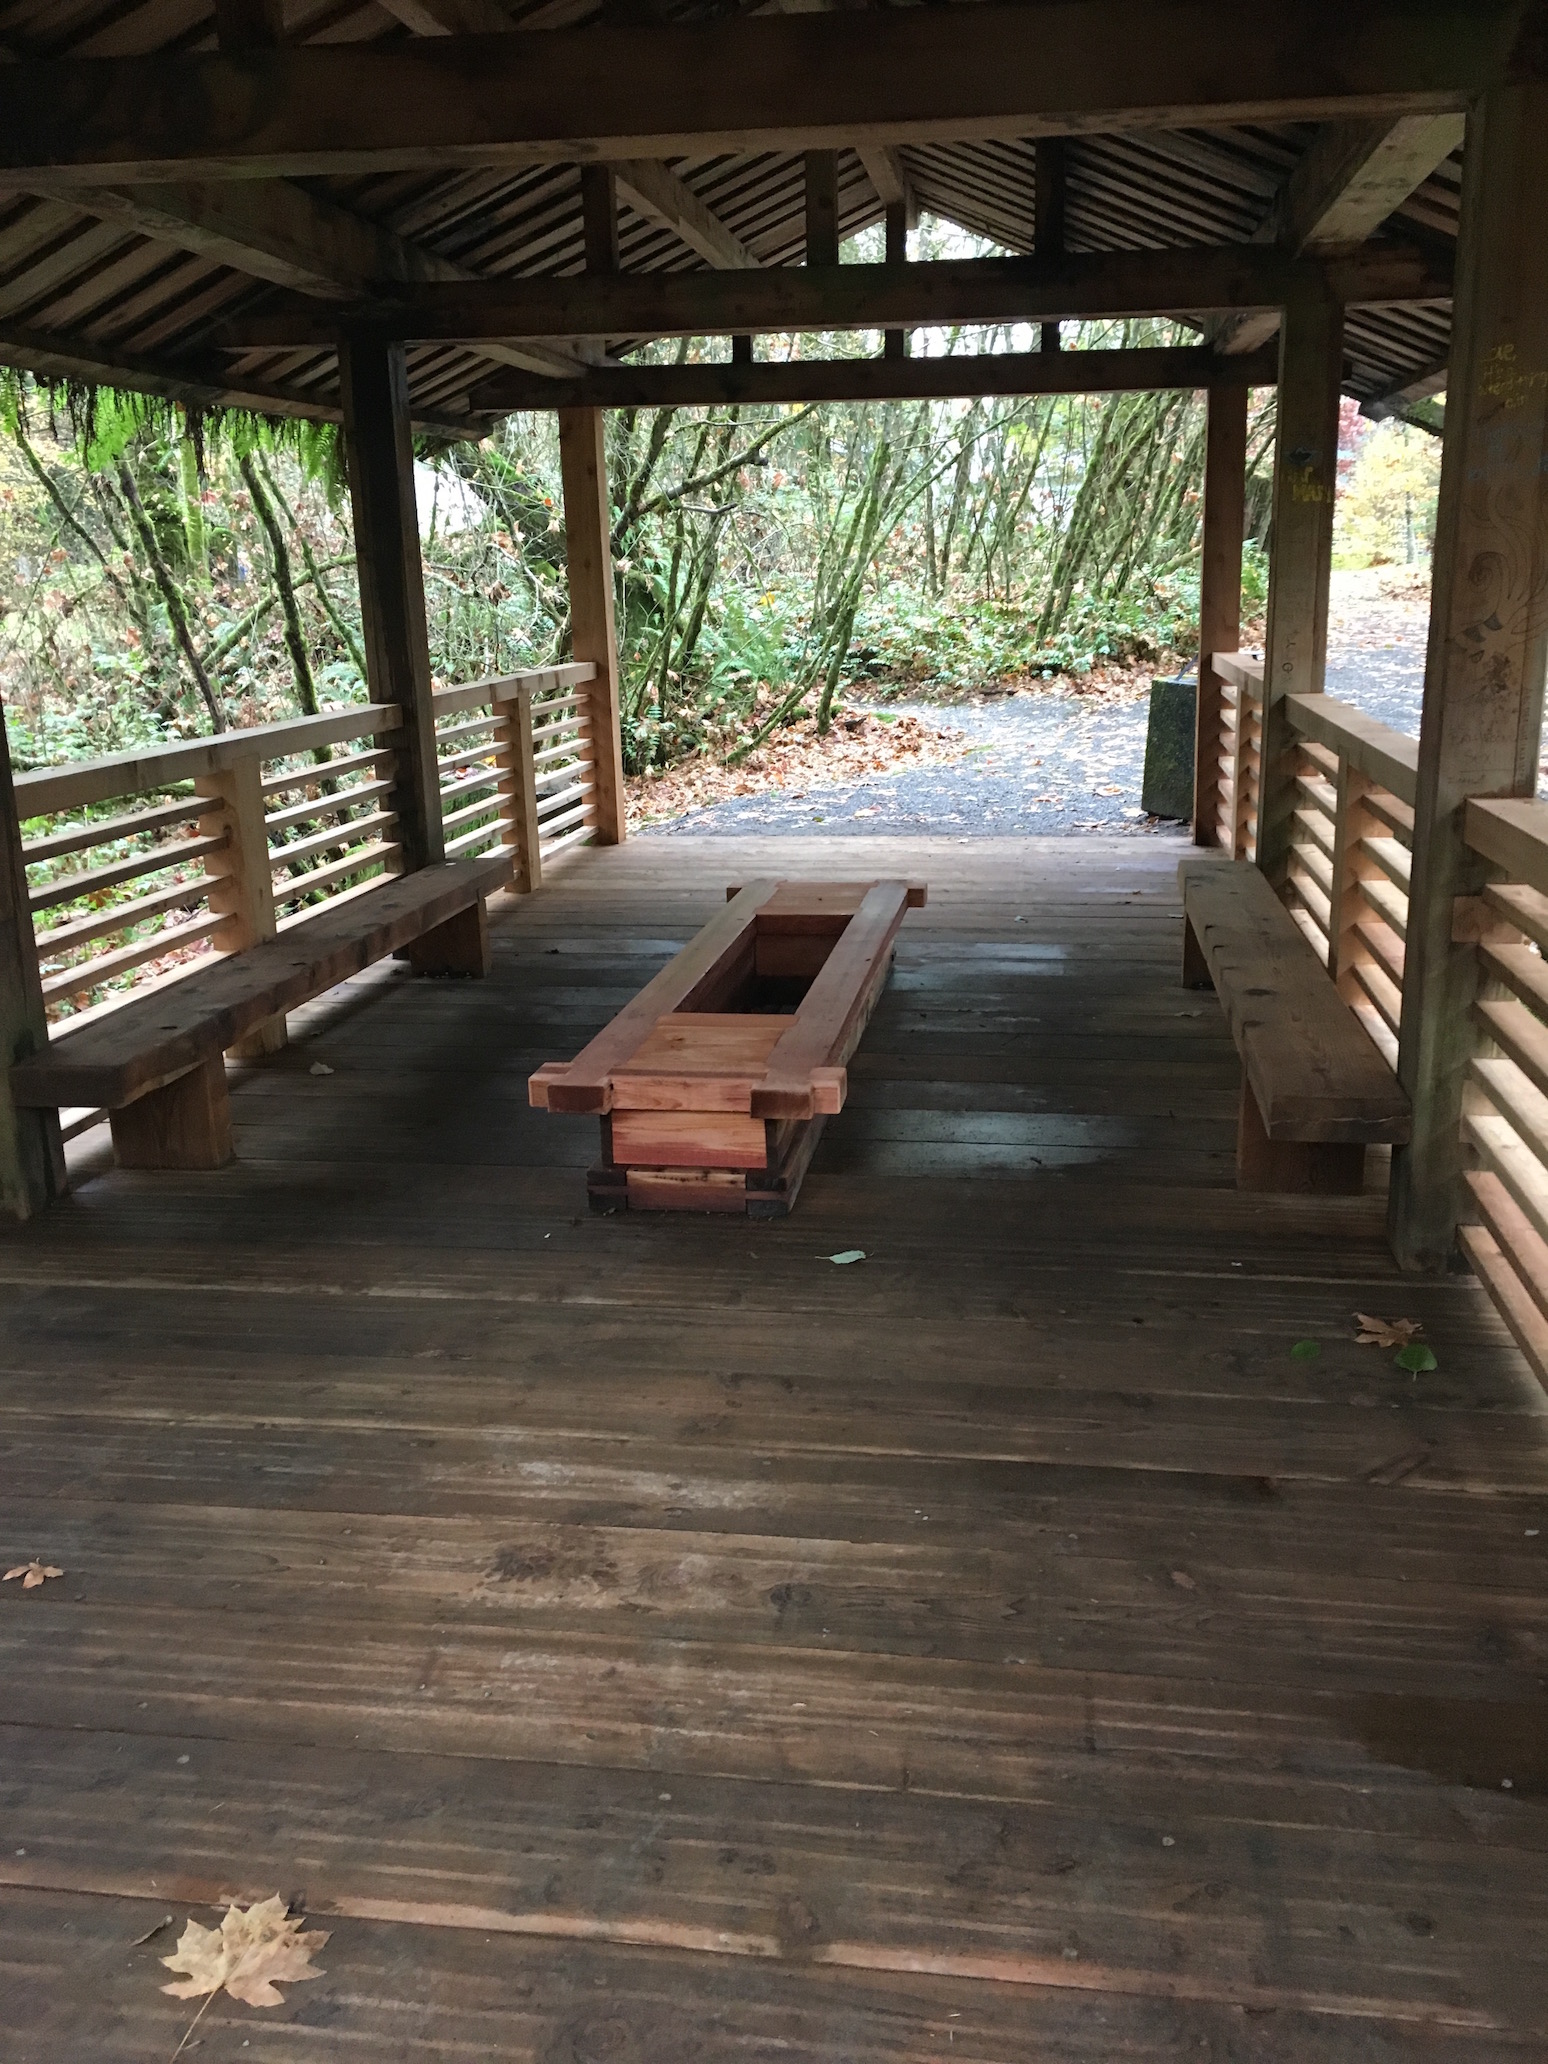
(1417, 1357)
(1306, 1351)
(849, 1254)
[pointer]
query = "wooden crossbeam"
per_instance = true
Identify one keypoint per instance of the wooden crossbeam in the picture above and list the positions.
(275, 230)
(655, 191)
(849, 297)
(1357, 173)
(1354, 175)
(651, 188)
(961, 375)
(829, 80)
(52, 355)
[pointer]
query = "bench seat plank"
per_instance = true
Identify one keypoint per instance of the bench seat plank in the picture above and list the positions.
(155, 1038)
(1311, 1067)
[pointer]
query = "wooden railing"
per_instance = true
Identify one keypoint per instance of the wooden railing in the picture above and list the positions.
(1505, 1105)
(1239, 751)
(143, 862)
(1347, 887)
(1351, 836)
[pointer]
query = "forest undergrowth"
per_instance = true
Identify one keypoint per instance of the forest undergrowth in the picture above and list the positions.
(776, 567)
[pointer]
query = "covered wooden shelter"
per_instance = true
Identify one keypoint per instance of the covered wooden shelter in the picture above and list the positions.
(653, 1642)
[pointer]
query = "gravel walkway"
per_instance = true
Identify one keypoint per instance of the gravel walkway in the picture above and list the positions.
(1060, 763)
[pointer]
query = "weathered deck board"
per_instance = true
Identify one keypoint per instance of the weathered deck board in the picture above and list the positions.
(644, 1641)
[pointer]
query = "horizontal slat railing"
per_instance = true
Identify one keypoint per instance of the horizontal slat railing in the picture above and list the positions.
(1351, 838)
(1239, 751)
(1505, 1105)
(144, 863)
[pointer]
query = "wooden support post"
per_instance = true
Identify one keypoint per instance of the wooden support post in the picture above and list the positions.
(1051, 203)
(1311, 370)
(1483, 695)
(599, 210)
(32, 1171)
(373, 383)
(822, 236)
(589, 545)
(518, 790)
(241, 879)
(895, 342)
(741, 349)
(1220, 591)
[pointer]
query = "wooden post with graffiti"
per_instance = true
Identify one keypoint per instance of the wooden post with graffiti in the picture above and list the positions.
(1483, 690)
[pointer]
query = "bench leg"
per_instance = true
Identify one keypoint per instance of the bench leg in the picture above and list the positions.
(271, 1037)
(185, 1125)
(1195, 968)
(460, 946)
(1303, 1168)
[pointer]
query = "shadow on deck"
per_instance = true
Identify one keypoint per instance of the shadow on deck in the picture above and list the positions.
(640, 1640)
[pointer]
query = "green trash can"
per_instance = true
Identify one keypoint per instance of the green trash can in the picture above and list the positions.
(1168, 786)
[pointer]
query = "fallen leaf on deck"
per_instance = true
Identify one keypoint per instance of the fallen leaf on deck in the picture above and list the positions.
(1183, 1581)
(1386, 1332)
(1305, 1351)
(32, 1574)
(319, 1068)
(1416, 1357)
(849, 1254)
(254, 1950)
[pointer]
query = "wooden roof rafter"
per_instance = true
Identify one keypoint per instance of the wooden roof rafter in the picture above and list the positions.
(142, 297)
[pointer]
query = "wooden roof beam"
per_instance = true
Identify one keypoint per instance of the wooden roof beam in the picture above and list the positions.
(655, 191)
(651, 188)
(51, 355)
(1353, 177)
(885, 169)
(850, 297)
(1356, 174)
(960, 375)
(275, 230)
(1414, 400)
(745, 84)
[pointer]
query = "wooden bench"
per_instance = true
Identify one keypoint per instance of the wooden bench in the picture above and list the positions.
(1315, 1092)
(713, 1084)
(157, 1065)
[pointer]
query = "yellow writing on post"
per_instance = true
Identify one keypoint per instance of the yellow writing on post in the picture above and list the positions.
(1507, 382)
(1306, 487)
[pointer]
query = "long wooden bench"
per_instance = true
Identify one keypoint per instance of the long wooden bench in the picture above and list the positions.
(1315, 1092)
(713, 1084)
(156, 1064)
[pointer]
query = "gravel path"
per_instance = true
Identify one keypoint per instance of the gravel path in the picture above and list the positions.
(1059, 763)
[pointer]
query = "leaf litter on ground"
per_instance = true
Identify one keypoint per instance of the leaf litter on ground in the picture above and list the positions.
(845, 1256)
(794, 759)
(1386, 1332)
(1416, 1357)
(32, 1574)
(253, 1951)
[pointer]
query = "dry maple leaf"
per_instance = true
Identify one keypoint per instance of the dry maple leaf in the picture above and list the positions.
(248, 1955)
(32, 1574)
(1386, 1332)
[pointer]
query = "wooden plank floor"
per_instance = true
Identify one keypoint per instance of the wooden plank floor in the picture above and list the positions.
(642, 1642)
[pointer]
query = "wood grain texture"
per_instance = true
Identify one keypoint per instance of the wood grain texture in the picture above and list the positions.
(637, 1639)
(1313, 1072)
(157, 1037)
